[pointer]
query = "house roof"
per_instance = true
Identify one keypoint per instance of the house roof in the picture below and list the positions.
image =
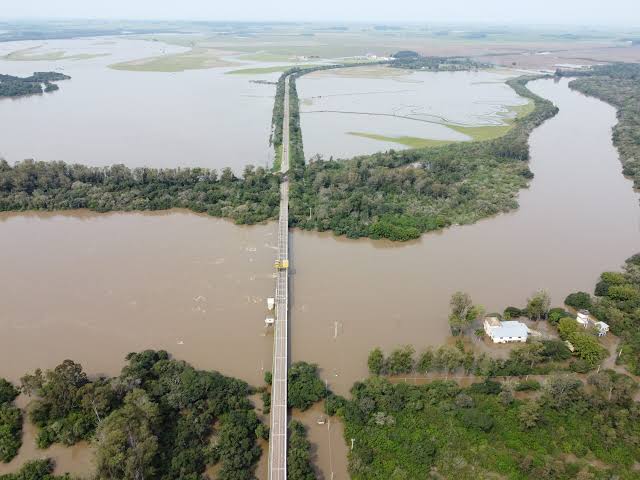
(510, 329)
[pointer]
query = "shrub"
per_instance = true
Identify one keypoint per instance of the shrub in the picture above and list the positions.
(578, 300)
(527, 385)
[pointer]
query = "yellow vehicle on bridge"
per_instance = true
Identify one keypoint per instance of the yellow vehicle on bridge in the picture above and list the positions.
(281, 264)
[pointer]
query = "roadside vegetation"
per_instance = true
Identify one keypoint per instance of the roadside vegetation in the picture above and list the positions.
(36, 84)
(160, 418)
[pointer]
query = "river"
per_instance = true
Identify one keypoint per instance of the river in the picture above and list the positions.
(93, 287)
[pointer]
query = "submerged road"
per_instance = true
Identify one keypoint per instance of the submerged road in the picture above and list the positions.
(278, 433)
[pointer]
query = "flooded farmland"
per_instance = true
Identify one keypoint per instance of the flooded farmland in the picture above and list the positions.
(342, 109)
(104, 116)
(93, 287)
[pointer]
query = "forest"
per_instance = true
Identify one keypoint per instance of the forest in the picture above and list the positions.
(30, 185)
(565, 428)
(11, 86)
(160, 418)
(399, 195)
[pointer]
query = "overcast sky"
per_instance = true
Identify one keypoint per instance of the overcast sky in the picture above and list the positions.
(578, 12)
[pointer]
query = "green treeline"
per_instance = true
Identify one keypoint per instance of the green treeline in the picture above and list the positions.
(11, 86)
(617, 302)
(299, 453)
(559, 430)
(410, 60)
(401, 194)
(619, 85)
(155, 420)
(30, 185)
(36, 470)
(10, 422)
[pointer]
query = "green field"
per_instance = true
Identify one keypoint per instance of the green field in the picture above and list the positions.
(264, 70)
(30, 55)
(411, 142)
(194, 59)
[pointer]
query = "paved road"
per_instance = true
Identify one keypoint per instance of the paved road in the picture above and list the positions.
(278, 433)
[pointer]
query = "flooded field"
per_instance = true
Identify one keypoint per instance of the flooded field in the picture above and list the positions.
(94, 287)
(104, 116)
(340, 108)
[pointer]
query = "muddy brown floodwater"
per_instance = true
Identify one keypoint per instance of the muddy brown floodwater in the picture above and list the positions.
(94, 287)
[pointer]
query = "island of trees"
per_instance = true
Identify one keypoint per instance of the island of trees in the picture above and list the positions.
(36, 84)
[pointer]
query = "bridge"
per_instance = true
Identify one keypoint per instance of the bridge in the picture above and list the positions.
(279, 411)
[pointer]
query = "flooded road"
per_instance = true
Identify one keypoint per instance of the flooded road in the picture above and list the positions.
(94, 287)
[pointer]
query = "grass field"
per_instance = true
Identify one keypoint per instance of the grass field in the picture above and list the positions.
(411, 142)
(479, 133)
(30, 55)
(264, 70)
(194, 59)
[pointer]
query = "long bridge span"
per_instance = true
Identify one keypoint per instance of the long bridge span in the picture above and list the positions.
(279, 410)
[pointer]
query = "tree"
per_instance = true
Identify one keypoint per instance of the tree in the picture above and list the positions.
(567, 326)
(400, 361)
(8, 392)
(529, 354)
(304, 386)
(463, 312)
(560, 392)
(125, 441)
(529, 414)
(299, 453)
(376, 362)
(587, 347)
(578, 300)
(538, 305)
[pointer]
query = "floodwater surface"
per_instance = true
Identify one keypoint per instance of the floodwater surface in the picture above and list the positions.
(94, 287)
(103, 116)
(396, 103)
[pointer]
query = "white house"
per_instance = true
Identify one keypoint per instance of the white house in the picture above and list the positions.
(602, 328)
(505, 332)
(584, 318)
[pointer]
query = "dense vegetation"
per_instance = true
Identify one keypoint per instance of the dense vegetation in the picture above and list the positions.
(413, 61)
(11, 86)
(535, 358)
(619, 85)
(30, 185)
(35, 470)
(400, 195)
(299, 453)
(617, 302)
(155, 420)
(10, 422)
(440, 430)
(304, 386)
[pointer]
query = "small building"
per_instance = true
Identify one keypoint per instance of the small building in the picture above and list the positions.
(584, 318)
(505, 332)
(602, 328)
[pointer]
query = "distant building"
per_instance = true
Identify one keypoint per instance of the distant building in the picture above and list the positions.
(505, 332)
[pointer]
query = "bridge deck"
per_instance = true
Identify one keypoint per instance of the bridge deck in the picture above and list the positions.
(278, 433)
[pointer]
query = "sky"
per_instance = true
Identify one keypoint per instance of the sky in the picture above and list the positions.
(552, 12)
